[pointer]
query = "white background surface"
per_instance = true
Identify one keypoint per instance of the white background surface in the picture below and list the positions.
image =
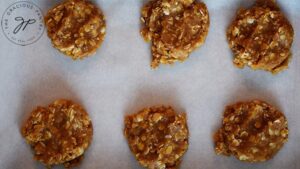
(118, 80)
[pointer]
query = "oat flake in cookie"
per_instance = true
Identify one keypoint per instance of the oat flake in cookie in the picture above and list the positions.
(157, 136)
(175, 28)
(59, 133)
(76, 28)
(251, 131)
(261, 37)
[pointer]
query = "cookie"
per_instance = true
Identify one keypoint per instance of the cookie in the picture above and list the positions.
(175, 28)
(251, 131)
(157, 136)
(76, 28)
(59, 133)
(261, 37)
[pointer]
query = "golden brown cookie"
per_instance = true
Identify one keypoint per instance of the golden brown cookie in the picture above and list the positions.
(175, 28)
(59, 133)
(76, 28)
(251, 131)
(261, 37)
(157, 136)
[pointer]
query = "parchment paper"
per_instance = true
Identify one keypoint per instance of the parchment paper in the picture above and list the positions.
(118, 80)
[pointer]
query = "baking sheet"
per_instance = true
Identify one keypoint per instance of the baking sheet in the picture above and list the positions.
(118, 80)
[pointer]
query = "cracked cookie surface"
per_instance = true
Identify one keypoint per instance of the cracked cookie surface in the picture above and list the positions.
(251, 131)
(261, 37)
(76, 28)
(175, 28)
(59, 133)
(157, 136)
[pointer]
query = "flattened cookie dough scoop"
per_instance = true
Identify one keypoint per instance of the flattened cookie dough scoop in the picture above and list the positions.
(175, 28)
(261, 37)
(157, 136)
(251, 131)
(76, 28)
(59, 133)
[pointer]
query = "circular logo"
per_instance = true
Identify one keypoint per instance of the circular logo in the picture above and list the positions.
(23, 23)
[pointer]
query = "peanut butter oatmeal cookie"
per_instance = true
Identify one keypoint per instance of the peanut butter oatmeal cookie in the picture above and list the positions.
(175, 27)
(251, 131)
(59, 133)
(157, 136)
(76, 28)
(261, 37)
